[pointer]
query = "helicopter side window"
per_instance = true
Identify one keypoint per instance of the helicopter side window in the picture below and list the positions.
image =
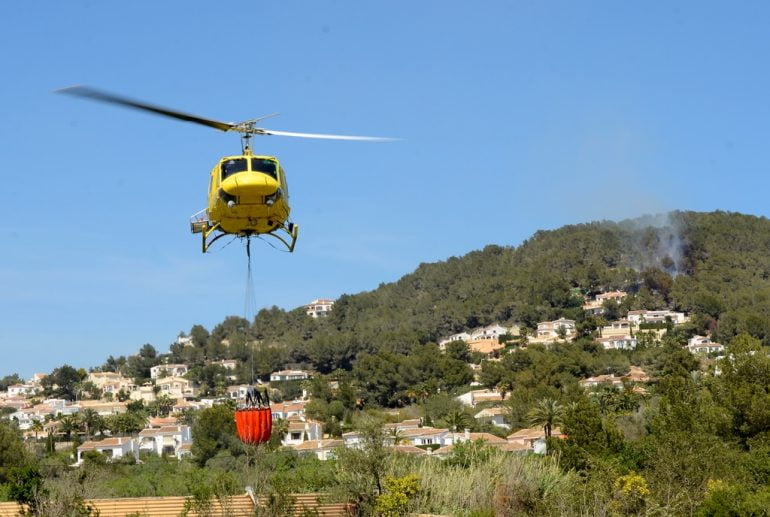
(232, 166)
(265, 166)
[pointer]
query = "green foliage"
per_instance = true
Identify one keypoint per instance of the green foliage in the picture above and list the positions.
(25, 486)
(214, 433)
(62, 381)
(397, 496)
(734, 500)
(360, 470)
(13, 454)
(10, 380)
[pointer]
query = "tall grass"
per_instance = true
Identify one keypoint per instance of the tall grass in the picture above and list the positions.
(500, 484)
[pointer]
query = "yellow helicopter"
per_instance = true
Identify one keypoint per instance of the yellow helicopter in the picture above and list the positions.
(248, 194)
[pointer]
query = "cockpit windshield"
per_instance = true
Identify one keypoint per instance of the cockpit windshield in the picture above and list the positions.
(230, 167)
(262, 165)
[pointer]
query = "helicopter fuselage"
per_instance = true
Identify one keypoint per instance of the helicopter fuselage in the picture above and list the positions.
(248, 195)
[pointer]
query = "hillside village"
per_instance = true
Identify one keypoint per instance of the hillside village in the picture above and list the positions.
(94, 420)
(600, 360)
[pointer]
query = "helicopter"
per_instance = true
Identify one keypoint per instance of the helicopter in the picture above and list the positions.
(248, 194)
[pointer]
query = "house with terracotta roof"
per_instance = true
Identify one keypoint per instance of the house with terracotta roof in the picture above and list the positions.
(702, 345)
(288, 410)
(168, 370)
(617, 328)
(596, 306)
(177, 387)
(319, 307)
(164, 440)
(474, 397)
(644, 316)
(322, 449)
(495, 415)
(412, 423)
(467, 436)
(621, 342)
(102, 407)
(533, 438)
(549, 330)
(301, 430)
(113, 448)
(23, 390)
(162, 421)
(426, 436)
(485, 346)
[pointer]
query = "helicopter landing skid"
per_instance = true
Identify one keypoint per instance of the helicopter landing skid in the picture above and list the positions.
(206, 230)
(291, 231)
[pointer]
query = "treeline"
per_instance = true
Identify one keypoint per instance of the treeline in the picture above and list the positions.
(714, 266)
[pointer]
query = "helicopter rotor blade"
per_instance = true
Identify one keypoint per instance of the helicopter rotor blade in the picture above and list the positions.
(90, 93)
(325, 136)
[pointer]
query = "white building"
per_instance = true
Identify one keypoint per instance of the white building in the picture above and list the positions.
(164, 440)
(551, 329)
(322, 449)
(177, 387)
(474, 397)
(301, 430)
(113, 448)
(618, 342)
(637, 317)
(495, 415)
(596, 306)
(617, 328)
(319, 307)
(289, 375)
(703, 345)
(460, 336)
(23, 390)
(168, 370)
(493, 331)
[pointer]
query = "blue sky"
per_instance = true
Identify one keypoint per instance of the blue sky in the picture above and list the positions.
(516, 116)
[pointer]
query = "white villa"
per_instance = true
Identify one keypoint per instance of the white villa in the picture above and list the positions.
(289, 375)
(637, 317)
(168, 370)
(703, 345)
(495, 415)
(550, 329)
(113, 448)
(319, 307)
(618, 342)
(167, 440)
(596, 306)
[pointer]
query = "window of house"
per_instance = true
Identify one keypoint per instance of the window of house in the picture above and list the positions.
(296, 436)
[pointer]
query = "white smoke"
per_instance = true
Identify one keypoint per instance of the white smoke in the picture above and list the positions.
(656, 242)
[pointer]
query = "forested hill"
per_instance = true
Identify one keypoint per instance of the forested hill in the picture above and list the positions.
(714, 265)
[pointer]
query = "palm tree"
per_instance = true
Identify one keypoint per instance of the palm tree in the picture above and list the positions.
(456, 420)
(36, 427)
(280, 430)
(88, 417)
(162, 405)
(504, 387)
(546, 413)
(69, 423)
(397, 435)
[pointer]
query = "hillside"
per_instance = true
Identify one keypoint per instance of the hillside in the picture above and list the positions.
(714, 264)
